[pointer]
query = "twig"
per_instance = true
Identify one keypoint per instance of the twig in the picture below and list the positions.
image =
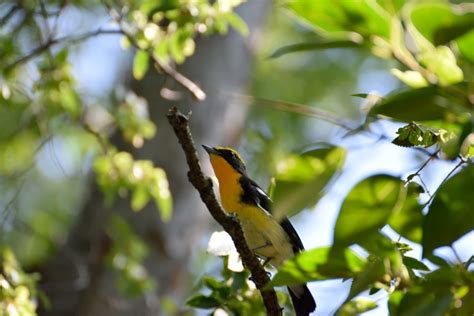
(417, 172)
(461, 162)
(182, 80)
(54, 41)
(9, 14)
(181, 128)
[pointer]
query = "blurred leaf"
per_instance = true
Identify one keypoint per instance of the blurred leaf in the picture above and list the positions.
(356, 307)
(437, 260)
(426, 303)
(422, 104)
(18, 289)
(394, 301)
(18, 153)
(372, 200)
(442, 62)
(202, 301)
(320, 43)
(411, 78)
(160, 191)
(140, 198)
(318, 264)
(439, 22)
(407, 220)
(465, 45)
(300, 179)
(237, 23)
(126, 257)
(363, 17)
(414, 264)
(374, 271)
(141, 63)
(450, 215)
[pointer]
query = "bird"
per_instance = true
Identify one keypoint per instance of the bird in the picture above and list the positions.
(270, 239)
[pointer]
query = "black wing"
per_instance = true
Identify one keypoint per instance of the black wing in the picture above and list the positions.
(254, 194)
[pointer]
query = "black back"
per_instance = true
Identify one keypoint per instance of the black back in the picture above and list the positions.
(255, 195)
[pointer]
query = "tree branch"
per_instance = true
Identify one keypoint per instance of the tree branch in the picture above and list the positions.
(73, 39)
(181, 79)
(180, 124)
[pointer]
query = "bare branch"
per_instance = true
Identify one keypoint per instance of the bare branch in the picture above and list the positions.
(461, 162)
(185, 82)
(203, 184)
(73, 39)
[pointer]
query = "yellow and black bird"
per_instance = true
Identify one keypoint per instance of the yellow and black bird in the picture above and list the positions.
(270, 239)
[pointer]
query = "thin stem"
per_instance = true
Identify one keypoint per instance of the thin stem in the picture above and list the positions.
(73, 39)
(461, 162)
(185, 82)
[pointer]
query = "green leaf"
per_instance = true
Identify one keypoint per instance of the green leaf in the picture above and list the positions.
(394, 301)
(440, 262)
(140, 198)
(465, 45)
(160, 191)
(141, 62)
(202, 301)
(439, 23)
(415, 134)
(320, 43)
(237, 23)
(364, 17)
(407, 220)
(301, 179)
(356, 307)
(411, 78)
(442, 62)
(414, 264)
(424, 104)
(366, 209)
(450, 215)
(318, 264)
(426, 303)
(374, 271)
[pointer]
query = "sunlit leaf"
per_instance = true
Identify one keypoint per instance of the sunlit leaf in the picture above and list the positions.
(439, 22)
(421, 104)
(318, 264)
(373, 272)
(140, 198)
(320, 43)
(301, 179)
(426, 303)
(411, 78)
(237, 23)
(356, 307)
(202, 301)
(372, 200)
(141, 62)
(363, 17)
(161, 193)
(442, 62)
(465, 44)
(407, 220)
(450, 215)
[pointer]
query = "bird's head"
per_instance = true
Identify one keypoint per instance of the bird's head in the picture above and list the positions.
(225, 157)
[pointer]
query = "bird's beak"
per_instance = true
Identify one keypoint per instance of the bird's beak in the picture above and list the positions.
(210, 150)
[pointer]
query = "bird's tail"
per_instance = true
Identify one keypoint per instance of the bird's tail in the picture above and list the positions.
(303, 301)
